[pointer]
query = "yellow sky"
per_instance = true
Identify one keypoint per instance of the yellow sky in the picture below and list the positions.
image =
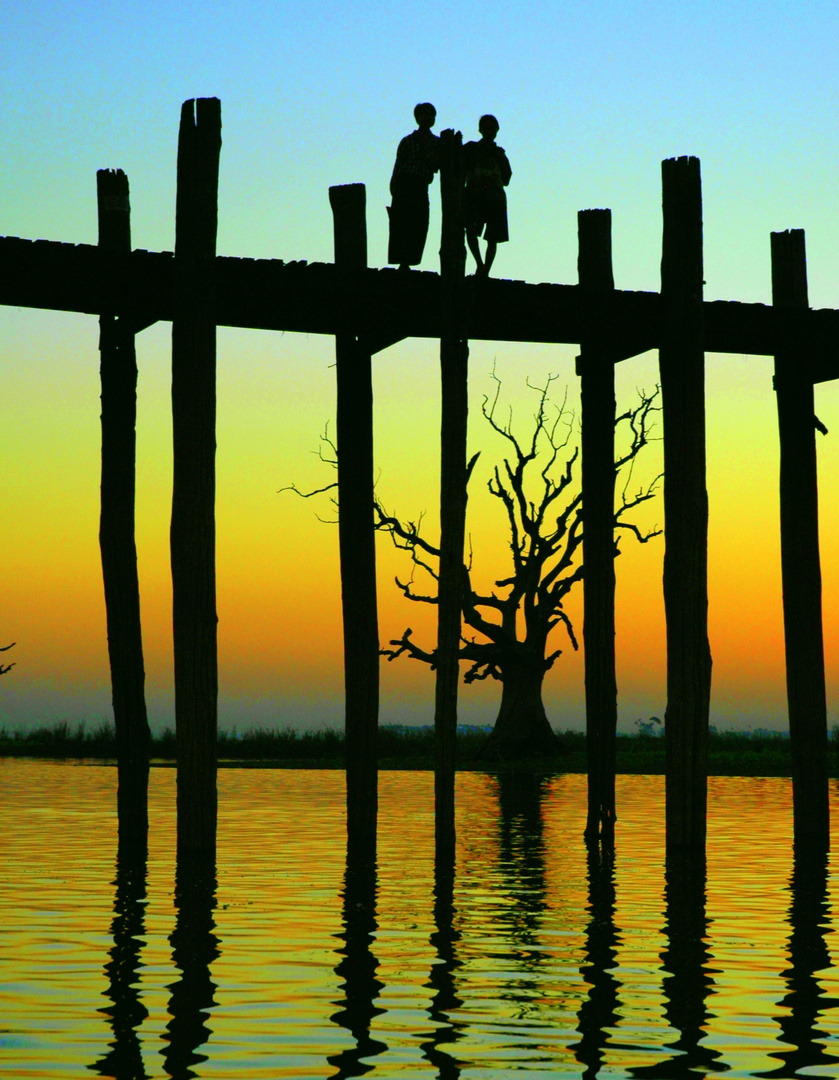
(278, 582)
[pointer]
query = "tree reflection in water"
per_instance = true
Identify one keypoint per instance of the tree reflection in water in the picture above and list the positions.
(441, 981)
(808, 954)
(194, 948)
(599, 1012)
(124, 1058)
(688, 978)
(357, 969)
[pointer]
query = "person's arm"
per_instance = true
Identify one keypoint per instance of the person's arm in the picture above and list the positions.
(506, 171)
(435, 153)
(400, 151)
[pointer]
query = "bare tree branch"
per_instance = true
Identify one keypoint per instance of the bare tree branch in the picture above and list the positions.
(6, 667)
(406, 645)
(537, 484)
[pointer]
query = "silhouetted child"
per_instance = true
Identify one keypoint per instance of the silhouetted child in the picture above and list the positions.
(487, 173)
(417, 160)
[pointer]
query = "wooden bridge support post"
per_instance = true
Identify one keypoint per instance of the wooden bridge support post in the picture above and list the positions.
(356, 536)
(118, 375)
(192, 534)
(597, 388)
(800, 563)
(682, 364)
(454, 372)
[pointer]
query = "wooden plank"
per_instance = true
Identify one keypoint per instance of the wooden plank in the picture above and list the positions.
(118, 376)
(356, 535)
(454, 371)
(596, 368)
(800, 560)
(682, 366)
(193, 496)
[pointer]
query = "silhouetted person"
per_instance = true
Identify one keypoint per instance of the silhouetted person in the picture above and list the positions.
(417, 160)
(487, 173)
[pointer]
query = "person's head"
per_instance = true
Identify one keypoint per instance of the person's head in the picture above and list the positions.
(488, 126)
(425, 115)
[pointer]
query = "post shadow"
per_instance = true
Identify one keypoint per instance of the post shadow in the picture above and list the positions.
(126, 1012)
(438, 1048)
(599, 1011)
(357, 969)
(194, 948)
(805, 1001)
(688, 979)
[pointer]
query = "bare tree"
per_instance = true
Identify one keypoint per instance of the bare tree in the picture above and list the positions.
(510, 625)
(6, 667)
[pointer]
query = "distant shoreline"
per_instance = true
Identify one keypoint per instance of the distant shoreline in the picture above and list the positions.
(403, 748)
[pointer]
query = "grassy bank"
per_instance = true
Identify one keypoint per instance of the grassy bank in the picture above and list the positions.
(730, 753)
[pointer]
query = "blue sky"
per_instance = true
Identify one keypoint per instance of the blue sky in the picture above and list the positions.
(590, 96)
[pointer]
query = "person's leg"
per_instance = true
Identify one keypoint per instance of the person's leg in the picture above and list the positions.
(489, 258)
(474, 247)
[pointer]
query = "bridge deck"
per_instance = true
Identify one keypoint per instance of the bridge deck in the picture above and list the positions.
(386, 305)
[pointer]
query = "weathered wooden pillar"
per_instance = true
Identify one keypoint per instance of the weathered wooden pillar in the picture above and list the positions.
(118, 375)
(596, 368)
(356, 537)
(682, 364)
(454, 370)
(193, 496)
(800, 563)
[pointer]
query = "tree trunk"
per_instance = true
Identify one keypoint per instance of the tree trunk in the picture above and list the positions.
(522, 728)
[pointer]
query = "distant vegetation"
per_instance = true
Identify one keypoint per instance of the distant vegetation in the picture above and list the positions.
(731, 753)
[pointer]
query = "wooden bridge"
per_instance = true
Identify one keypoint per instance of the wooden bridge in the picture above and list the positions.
(367, 310)
(385, 306)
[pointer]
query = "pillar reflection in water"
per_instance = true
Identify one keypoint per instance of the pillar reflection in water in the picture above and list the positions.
(357, 970)
(522, 845)
(127, 1012)
(688, 977)
(805, 1001)
(438, 1048)
(194, 948)
(599, 1012)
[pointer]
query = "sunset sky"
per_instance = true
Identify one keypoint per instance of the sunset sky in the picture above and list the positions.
(590, 98)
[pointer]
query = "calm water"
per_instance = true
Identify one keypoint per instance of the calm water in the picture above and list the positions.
(523, 957)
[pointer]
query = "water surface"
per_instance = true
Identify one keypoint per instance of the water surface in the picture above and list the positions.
(524, 956)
